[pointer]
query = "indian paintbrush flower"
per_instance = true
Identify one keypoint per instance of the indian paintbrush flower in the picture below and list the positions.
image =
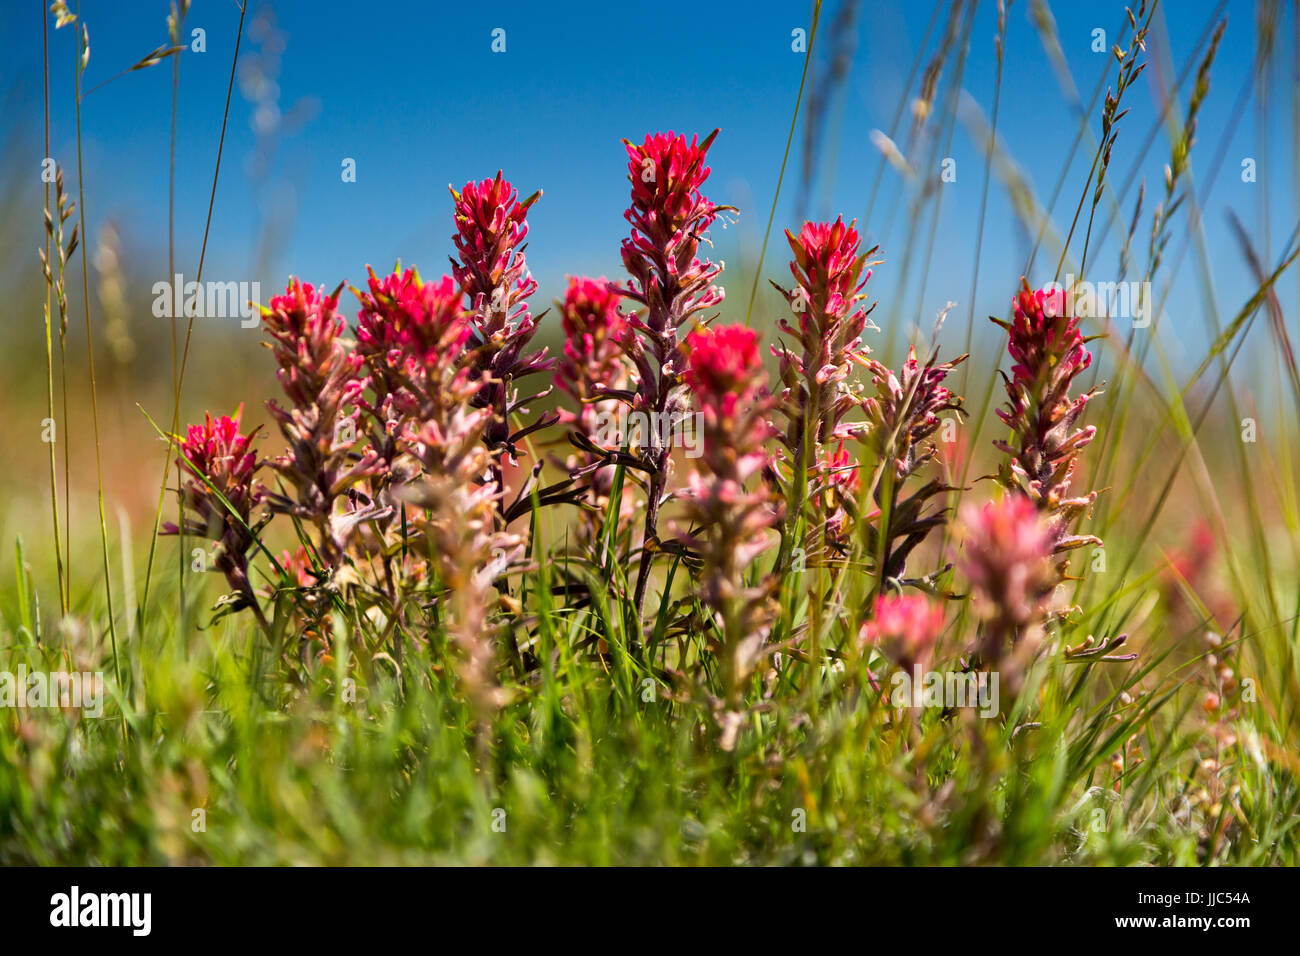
(383, 342)
(1005, 557)
(593, 360)
(905, 628)
(725, 374)
(1049, 352)
(830, 274)
(670, 217)
(406, 331)
(491, 226)
(219, 496)
(903, 414)
(593, 365)
(457, 507)
(323, 377)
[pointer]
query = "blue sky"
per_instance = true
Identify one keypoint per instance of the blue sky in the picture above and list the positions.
(416, 96)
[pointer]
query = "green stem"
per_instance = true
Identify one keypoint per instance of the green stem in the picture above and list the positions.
(94, 396)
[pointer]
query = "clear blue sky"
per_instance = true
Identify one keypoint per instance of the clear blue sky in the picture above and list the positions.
(414, 93)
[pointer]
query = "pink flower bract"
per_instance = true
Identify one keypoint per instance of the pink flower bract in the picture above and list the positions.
(905, 627)
(724, 363)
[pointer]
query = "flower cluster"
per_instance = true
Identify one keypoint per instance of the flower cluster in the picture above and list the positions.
(594, 364)
(830, 274)
(594, 372)
(411, 333)
(906, 410)
(458, 511)
(905, 628)
(1049, 352)
(220, 495)
(398, 435)
(670, 217)
(1005, 558)
(321, 373)
(384, 341)
(725, 374)
(491, 227)
(1189, 585)
(837, 493)
(423, 330)
(903, 414)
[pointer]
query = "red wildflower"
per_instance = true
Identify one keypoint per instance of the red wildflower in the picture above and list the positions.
(724, 368)
(669, 218)
(907, 407)
(594, 364)
(1005, 558)
(727, 378)
(903, 414)
(905, 627)
(297, 567)
(830, 274)
(593, 334)
(322, 375)
(491, 227)
(407, 329)
(221, 464)
(1049, 353)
